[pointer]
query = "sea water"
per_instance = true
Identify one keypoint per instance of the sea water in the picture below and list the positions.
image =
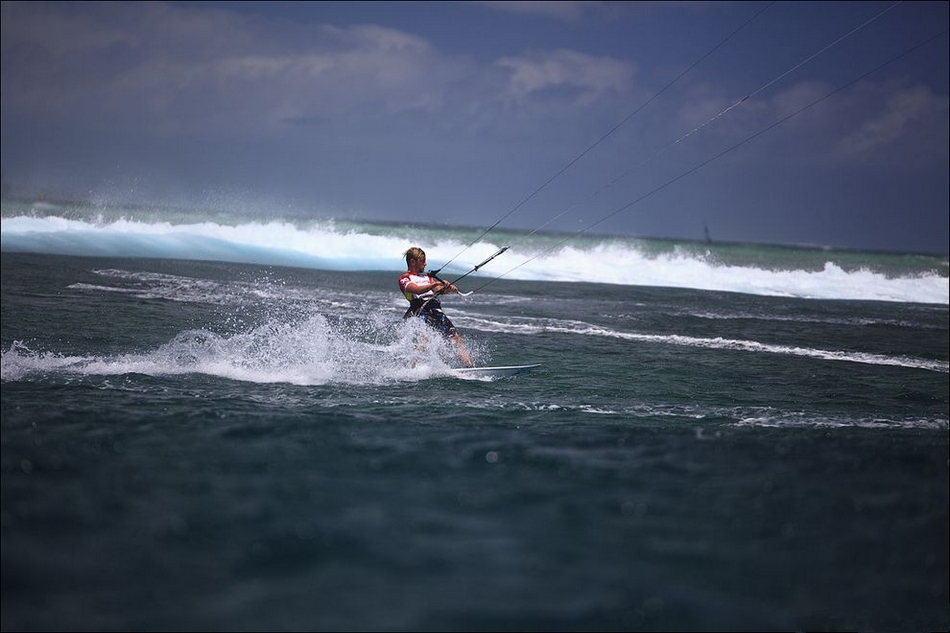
(225, 423)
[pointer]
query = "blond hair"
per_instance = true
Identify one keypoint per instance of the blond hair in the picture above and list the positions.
(414, 253)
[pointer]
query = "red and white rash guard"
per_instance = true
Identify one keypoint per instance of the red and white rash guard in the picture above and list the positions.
(420, 279)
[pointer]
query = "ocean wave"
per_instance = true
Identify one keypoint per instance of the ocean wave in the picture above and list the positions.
(331, 245)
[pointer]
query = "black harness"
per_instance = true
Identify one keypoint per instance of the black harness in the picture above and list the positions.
(416, 306)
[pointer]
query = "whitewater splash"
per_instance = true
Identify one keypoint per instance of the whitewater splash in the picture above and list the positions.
(335, 245)
(310, 352)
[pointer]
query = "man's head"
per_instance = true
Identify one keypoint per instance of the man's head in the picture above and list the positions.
(417, 254)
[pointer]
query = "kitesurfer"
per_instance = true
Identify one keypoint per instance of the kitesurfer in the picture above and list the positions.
(422, 290)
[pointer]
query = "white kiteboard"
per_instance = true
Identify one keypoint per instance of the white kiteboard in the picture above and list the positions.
(492, 372)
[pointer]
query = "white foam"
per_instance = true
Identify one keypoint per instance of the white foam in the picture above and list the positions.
(308, 352)
(324, 246)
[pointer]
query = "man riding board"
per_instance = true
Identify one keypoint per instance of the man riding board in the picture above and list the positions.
(422, 291)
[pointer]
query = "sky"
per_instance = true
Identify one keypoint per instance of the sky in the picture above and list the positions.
(800, 123)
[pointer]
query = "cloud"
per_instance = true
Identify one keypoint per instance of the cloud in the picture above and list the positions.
(910, 114)
(566, 11)
(173, 70)
(884, 125)
(567, 76)
(169, 68)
